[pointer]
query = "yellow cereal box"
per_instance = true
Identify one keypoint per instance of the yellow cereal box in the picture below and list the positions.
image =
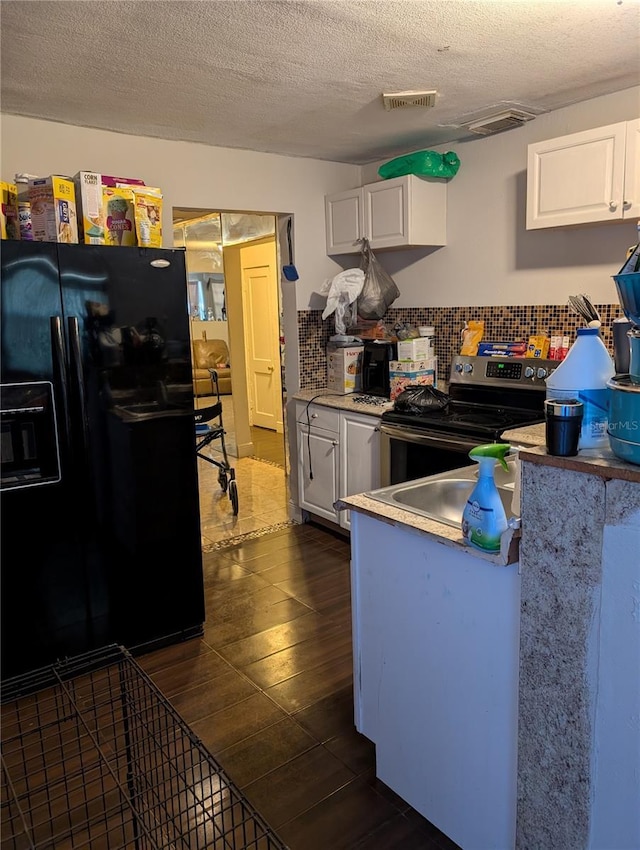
(90, 214)
(9, 211)
(538, 346)
(53, 209)
(148, 212)
(119, 216)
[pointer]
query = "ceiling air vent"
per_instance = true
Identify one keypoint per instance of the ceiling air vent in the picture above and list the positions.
(499, 122)
(403, 99)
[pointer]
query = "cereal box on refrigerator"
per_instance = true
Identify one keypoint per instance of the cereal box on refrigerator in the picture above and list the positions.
(148, 216)
(119, 216)
(90, 212)
(9, 211)
(53, 209)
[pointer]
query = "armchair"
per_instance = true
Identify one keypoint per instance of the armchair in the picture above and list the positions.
(210, 354)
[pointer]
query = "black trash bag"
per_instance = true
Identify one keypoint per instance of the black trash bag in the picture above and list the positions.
(420, 398)
(379, 289)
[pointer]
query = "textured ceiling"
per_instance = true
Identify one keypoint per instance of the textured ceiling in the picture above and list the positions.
(306, 78)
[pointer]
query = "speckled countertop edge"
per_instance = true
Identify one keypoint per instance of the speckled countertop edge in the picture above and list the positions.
(447, 535)
(593, 462)
(328, 398)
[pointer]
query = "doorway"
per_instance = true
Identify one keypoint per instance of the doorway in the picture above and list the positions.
(233, 271)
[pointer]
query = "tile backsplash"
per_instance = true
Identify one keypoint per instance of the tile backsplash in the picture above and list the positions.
(500, 324)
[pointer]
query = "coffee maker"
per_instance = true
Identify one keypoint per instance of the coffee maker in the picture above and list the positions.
(376, 357)
(624, 396)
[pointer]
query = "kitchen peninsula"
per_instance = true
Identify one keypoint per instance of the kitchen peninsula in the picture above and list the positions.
(516, 723)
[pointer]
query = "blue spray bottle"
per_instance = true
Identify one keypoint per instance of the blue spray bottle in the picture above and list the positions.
(484, 519)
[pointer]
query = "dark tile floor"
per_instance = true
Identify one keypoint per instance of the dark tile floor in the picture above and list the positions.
(268, 689)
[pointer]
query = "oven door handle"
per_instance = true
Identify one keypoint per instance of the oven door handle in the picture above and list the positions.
(409, 435)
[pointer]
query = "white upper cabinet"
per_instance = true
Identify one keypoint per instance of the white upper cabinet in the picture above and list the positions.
(585, 177)
(403, 212)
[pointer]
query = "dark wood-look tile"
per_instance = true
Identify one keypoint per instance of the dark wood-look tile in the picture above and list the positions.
(272, 640)
(335, 641)
(298, 785)
(227, 607)
(319, 592)
(219, 634)
(227, 689)
(178, 653)
(202, 668)
(309, 686)
(338, 821)
(397, 834)
(356, 751)
(227, 727)
(328, 717)
(267, 750)
(303, 565)
(442, 841)
(219, 589)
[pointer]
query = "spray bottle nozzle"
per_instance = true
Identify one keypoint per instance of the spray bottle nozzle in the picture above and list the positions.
(496, 451)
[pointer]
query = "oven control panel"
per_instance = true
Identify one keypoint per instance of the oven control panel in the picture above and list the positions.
(523, 372)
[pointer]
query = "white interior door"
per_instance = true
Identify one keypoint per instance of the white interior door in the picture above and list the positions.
(262, 330)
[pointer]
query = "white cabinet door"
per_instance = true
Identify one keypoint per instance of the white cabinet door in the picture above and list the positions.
(402, 212)
(343, 221)
(359, 457)
(577, 179)
(405, 211)
(318, 471)
(631, 200)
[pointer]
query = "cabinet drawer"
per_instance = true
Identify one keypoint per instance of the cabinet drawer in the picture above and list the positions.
(327, 418)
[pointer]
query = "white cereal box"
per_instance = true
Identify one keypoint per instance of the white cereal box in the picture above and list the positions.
(53, 209)
(414, 349)
(344, 370)
(90, 207)
(406, 373)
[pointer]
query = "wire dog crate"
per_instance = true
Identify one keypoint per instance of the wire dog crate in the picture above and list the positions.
(93, 756)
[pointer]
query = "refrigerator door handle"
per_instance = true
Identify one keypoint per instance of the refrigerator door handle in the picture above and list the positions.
(77, 375)
(61, 387)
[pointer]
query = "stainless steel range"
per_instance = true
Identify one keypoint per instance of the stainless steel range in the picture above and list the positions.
(487, 396)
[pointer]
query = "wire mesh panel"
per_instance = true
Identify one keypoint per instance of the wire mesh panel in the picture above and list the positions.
(93, 756)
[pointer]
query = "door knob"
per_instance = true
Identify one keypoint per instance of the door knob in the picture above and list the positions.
(270, 368)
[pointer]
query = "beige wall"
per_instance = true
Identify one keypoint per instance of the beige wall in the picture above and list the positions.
(192, 175)
(490, 257)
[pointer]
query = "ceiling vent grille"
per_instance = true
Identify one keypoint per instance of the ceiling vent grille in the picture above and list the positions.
(499, 122)
(404, 99)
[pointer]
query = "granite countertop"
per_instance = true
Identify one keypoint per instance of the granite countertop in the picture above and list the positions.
(601, 462)
(329, 398)
(442, 533)
(532, 435)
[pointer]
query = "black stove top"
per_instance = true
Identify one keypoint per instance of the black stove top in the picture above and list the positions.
(467, 419)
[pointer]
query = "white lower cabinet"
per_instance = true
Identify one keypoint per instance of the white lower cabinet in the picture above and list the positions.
(359, 457)
(338, 455)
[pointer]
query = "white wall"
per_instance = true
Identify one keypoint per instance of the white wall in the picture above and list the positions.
(192, 175)
(490, 257)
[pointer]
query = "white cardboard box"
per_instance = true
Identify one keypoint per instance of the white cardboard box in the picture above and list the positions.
(405, 373)
(414, 349)
(344, 369)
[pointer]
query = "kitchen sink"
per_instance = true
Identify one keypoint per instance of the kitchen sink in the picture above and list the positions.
(443, 497)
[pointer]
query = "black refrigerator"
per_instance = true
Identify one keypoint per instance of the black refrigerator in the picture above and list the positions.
(100, 530)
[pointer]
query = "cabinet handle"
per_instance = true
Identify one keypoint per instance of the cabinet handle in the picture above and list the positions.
(377, 429)
(626, 204)
(314, 415)
(613, 205)
(334, 442)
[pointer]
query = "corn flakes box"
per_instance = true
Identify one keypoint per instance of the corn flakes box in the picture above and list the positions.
(53, 209)
(90, 211)
(119, 216)
(148, 216)
(9, 226)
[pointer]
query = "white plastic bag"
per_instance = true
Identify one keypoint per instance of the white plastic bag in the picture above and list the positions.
(343, 291)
